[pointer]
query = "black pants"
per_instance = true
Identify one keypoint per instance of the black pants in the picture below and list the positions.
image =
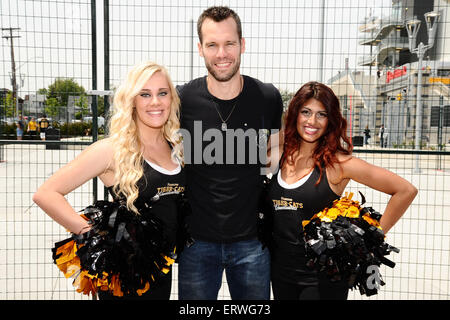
(159, 292)
(325, 290)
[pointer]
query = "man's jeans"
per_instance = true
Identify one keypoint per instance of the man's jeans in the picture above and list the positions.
(246, 264)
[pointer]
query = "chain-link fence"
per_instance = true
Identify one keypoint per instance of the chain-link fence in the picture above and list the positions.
(61, 58)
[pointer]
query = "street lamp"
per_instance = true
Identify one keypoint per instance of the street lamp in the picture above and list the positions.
(431, 19)
(412, 27)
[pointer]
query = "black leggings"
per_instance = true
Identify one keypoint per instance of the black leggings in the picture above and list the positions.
(325, 290)
(160, 292)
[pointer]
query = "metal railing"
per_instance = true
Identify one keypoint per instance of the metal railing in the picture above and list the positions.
(27, 234)
(95, 42)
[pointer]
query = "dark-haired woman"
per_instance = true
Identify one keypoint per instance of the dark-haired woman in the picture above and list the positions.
(315, 167)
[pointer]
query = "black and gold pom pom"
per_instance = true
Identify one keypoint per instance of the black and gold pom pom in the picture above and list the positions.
(123, 253)
(345, 241)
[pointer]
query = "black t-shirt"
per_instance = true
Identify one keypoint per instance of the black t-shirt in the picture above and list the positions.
(43, 125)
(223, 169)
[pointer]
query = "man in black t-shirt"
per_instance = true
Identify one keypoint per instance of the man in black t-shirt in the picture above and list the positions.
(43, 126)
(381, 135)
(226, 119)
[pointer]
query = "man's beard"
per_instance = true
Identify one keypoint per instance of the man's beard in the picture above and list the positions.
(224, 77)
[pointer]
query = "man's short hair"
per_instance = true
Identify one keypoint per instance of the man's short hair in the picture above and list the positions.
(218, 14)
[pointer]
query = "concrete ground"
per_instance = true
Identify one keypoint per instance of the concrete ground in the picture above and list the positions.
(27, 234)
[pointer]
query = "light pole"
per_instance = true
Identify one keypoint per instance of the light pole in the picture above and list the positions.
(21, 83)
(412, 27)
(18, 86)
(10, 36)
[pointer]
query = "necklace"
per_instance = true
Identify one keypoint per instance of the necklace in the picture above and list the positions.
(224, 126)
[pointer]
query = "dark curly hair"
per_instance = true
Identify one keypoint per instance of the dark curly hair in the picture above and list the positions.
(218, 14)
(335, 138)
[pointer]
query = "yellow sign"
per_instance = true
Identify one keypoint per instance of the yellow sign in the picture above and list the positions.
(443, 80)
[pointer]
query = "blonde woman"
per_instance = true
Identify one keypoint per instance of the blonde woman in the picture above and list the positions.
(139, 162)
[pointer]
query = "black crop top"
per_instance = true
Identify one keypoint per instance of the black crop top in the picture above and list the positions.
(164, 187)
(293, 203)
(296, 202)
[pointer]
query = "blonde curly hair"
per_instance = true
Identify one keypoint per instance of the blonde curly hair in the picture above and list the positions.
(123, 131)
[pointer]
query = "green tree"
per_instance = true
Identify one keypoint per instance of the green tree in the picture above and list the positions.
(286, 96)
(42, 91)
(83, 103)
(10, 104)
(52, 107)
(62, 88)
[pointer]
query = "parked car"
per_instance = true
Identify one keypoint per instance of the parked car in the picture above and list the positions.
(10, 120)
(100, 121)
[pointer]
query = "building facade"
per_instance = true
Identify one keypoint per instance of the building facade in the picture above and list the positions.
(391, 97)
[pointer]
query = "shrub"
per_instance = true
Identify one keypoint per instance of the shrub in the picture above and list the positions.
(74, 129)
